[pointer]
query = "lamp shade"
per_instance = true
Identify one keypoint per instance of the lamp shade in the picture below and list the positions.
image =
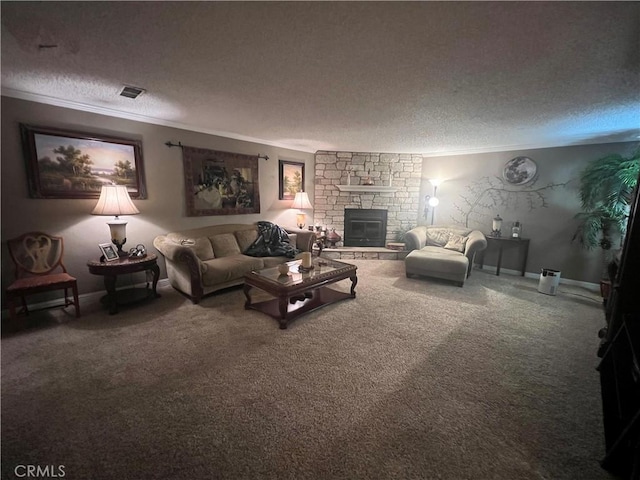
(114, 200)
(301, 201)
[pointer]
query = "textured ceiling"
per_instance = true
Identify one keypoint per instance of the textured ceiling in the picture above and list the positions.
(423, 77)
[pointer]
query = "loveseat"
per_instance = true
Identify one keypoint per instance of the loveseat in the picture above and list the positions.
(442, 251)
(203, 260)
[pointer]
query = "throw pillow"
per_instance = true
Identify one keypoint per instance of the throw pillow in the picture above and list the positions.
(246, 238)
(456, 242)
(224, 245)
(438, 236)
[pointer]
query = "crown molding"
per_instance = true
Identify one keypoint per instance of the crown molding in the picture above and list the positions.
(57, 102)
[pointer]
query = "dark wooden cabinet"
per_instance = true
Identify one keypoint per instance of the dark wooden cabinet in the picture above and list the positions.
(620, 365)
(620, 383)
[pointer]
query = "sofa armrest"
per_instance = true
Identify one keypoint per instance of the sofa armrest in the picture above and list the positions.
(304, 240)
(476, 242)
(183, 258)
(416, 238)
(172, 250)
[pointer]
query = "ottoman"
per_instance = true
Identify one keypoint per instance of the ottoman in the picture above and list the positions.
(437, 262)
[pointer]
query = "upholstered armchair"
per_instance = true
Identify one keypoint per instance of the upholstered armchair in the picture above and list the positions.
(443, 251)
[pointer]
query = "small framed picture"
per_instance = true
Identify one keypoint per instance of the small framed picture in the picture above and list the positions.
(108, 252)
(291, 179)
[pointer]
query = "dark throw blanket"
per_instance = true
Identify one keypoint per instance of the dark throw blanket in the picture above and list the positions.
(272, 241)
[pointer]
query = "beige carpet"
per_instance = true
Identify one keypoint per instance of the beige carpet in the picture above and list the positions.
(414, 379)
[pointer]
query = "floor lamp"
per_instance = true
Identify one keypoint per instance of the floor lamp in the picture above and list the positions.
(433, 200)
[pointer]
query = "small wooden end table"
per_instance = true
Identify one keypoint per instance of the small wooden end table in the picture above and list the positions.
(111, 270)
(499, 244)
(300, 291)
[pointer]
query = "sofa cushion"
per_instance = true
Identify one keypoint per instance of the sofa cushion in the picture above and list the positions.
(246, 238)
(437, 262)
(456, 243)
(224, 245)
(226, 269)
(433, 250)
(438, 236)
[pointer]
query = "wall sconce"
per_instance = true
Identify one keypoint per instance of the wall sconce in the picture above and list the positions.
(115, 200)
(496, 226)
(301, 202)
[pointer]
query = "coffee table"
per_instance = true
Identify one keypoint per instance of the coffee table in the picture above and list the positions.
(299, 291)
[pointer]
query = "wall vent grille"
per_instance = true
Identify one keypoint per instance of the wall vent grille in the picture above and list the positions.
(131, 92)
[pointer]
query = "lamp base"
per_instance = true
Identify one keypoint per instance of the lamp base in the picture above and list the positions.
(300, 217)
(121, 253)
(495, 233)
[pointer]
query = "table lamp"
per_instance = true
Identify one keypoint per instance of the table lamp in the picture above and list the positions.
(301, 202)
(115, 200)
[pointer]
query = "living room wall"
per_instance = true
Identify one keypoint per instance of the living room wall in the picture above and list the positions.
(473, 192)
(163, 210)
(549, 227)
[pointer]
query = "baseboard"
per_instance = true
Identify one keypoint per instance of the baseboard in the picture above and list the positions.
(95, 296)
(536, 276)
(83, 298)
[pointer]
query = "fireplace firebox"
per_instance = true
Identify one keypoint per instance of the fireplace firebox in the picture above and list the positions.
(365, 227)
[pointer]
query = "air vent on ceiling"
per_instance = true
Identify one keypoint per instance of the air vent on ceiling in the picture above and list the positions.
(131, 92)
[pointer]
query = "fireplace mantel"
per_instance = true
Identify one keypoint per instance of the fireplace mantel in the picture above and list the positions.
(366, 188)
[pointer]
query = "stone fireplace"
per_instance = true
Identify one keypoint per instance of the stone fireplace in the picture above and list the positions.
(365, 227)
(339, 187)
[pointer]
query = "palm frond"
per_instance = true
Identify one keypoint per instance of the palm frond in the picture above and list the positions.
(606, 186)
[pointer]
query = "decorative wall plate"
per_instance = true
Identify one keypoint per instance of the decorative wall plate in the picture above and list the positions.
(520, 171)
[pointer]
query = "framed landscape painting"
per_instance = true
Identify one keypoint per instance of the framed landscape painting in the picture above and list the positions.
(65, 164)
(291, 179)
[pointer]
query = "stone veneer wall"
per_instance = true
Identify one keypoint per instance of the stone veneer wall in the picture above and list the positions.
(402, 205)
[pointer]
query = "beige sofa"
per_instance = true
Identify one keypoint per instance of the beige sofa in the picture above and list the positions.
(442, 251)
(203, 260)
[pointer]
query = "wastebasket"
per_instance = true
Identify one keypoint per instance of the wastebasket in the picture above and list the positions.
(549, 281)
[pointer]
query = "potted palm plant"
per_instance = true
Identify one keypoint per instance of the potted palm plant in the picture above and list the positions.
(606, 188)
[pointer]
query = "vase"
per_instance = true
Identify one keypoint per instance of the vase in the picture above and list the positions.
(283, 268)
(333, 237)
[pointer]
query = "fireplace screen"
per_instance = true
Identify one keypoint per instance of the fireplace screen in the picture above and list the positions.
(365, 227)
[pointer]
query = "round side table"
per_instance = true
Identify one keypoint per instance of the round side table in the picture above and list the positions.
(111, 270)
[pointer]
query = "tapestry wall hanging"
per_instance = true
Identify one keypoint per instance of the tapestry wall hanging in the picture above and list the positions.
(220, 183)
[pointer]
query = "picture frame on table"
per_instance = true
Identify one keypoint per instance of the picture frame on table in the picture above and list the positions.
(109, 252)
(291, 179)
(69, 164)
